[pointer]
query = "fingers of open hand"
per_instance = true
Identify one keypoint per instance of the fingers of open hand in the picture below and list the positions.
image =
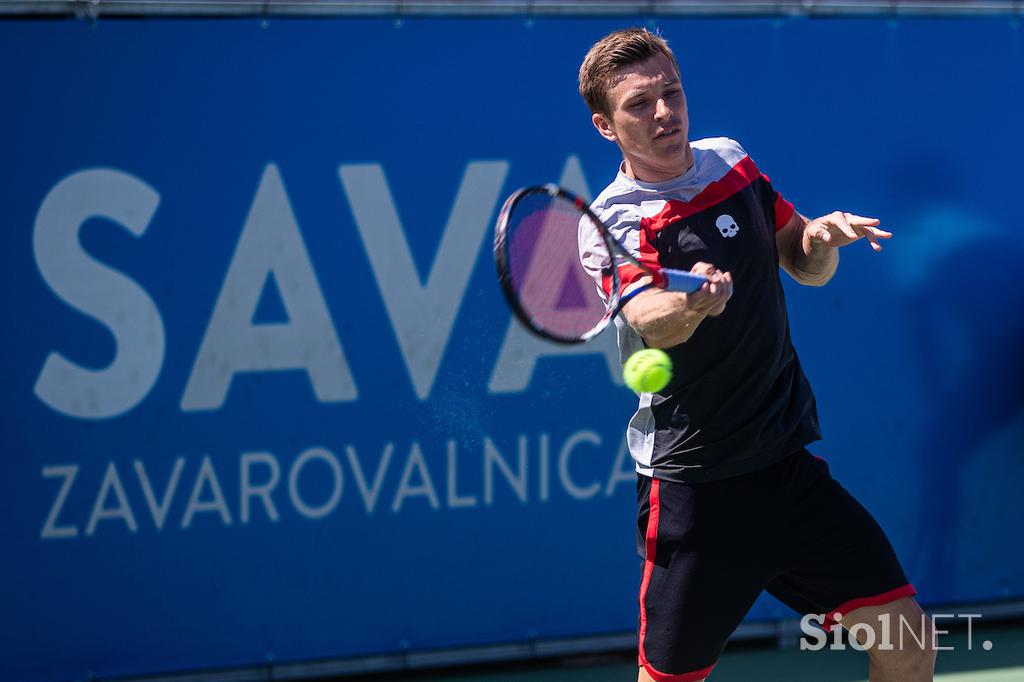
(842, 223)
(840, 228)
(873, 234)
(861, 221)
(871, 238)
(820, 233)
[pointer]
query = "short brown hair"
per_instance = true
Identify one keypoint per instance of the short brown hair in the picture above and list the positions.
(615, 50)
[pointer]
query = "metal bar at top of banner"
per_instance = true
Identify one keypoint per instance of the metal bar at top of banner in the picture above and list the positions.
(512, 8)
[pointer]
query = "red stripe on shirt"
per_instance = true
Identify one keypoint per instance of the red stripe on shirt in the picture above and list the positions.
(783, 209)
(738, 178)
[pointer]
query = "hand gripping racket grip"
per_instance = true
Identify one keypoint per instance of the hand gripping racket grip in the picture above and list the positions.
(679, 280)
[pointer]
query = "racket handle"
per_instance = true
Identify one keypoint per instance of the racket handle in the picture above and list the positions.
(680, 280)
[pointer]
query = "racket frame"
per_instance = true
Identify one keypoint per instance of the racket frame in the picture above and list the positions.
(675, 280)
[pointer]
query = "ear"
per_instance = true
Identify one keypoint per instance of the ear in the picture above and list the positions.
(605, 127)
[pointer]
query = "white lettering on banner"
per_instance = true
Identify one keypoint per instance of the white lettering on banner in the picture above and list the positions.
(262, 491)
(425, 489)
(624, 470)
(491, 458)
(369, 494)
(423, 315)
(454, 501)
(326, 456)
(97, 290)
(563, 465)
(207, 477)
(51, 530)
(422, 310)
(270, 245)
(474, 470)
(545, 456)
(521, 350)
(159, 511)
(100, 510)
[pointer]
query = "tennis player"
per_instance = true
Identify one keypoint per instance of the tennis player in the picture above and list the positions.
(730, 501)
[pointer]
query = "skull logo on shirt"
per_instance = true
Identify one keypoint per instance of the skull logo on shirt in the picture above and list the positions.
(727, 226)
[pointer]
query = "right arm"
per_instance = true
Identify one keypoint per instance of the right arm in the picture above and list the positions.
(668, 318)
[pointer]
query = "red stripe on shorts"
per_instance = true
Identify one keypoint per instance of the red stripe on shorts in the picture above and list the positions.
(876, 600)
(650, 552)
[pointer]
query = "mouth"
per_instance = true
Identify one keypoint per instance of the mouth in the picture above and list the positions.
(668, 132)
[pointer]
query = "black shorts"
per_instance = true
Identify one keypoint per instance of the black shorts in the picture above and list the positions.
(710, 548)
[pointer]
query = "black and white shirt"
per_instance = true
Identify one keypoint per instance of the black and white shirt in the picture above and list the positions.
(738, 399)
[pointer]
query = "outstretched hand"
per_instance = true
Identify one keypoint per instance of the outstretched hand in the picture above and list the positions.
(840, 228)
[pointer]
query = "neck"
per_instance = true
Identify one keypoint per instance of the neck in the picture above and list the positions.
(644, 172)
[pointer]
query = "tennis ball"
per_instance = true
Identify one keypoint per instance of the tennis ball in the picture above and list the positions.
(647, 371)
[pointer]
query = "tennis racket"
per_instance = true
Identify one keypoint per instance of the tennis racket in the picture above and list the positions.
(559, 266)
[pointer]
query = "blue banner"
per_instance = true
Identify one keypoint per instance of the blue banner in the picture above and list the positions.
(263, 397)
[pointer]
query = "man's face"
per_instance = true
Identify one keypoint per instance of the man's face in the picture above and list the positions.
(649, 120)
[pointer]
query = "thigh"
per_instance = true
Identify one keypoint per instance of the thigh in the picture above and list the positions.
(700, 576)
(837, 558)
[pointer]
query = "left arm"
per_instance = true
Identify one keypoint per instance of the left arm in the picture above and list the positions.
(807, 248)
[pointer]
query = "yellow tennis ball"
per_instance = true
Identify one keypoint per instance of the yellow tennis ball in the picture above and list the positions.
(647, 371)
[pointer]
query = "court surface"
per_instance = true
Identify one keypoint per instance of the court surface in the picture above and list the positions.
(1004, 662)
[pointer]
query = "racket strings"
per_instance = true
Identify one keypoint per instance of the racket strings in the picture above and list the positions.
(560, 269)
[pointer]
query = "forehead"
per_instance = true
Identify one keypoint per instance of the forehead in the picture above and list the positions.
(644, 75)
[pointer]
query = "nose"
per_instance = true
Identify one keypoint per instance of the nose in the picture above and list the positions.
(662, 110)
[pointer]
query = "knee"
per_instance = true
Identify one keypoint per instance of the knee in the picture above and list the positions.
(912, 654)
(911, 657)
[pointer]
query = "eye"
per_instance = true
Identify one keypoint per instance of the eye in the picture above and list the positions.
(672, 92)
